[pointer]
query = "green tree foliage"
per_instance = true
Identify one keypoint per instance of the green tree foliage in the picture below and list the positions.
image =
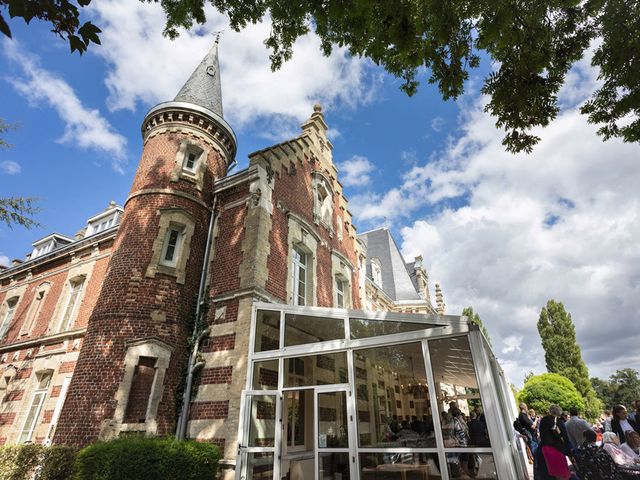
(532, 45)
(542, 391)
(622, 388)
(475, 318)
(562, 353)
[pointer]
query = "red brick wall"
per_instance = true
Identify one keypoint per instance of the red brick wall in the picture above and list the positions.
(141, 384)
(7, 418)
(128, 298)
(294, 192)
(225, 274)
(67, 367)
(218, 343)
(216, 375)
(14, 396)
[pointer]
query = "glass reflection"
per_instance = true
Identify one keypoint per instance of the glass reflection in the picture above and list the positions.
(265, 375)
(260, 466)
(374, 466)
(303, 329)
(262, 423)
(267, 331)
(459, 403)
(471, 465)
(333, 466)
(361, 328)
(332, 420)
(323, 369)
(392, 397)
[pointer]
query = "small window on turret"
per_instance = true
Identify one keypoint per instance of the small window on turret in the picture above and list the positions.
(172, 246)
(191, 160)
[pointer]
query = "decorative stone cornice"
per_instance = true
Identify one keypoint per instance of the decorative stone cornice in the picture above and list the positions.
(181, 113)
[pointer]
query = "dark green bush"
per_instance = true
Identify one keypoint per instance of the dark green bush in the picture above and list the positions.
(143, 458)
(21, 462)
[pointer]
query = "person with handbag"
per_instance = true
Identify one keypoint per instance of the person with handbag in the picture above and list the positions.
(555, 444)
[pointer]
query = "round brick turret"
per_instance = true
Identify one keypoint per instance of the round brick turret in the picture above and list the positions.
(146, 304)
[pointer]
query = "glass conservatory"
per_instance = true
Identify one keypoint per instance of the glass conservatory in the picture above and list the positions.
(340, 394)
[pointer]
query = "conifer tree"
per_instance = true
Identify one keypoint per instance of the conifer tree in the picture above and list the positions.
(475, 318)
(562, 353)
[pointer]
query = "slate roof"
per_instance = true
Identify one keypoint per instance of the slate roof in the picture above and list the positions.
(203, 87)
(396, 279)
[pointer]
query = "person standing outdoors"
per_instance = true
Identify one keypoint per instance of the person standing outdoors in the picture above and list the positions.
(621, 424)
(555, 444)
(576, 427)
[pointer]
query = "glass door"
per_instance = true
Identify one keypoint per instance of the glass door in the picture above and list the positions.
(258, 437)
(334, 434)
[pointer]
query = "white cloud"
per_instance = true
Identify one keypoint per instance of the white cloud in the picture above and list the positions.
(84, 127)
(272, 104)
(437, 124)
(4, 261)
(355, 171)
(10, 167)
(506, 233)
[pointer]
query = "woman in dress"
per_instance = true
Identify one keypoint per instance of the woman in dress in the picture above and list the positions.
(555, 444)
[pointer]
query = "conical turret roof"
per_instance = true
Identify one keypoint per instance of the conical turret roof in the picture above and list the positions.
(203, 87)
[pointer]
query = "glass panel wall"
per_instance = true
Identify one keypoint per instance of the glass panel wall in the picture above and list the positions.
(298, 435)
(392, 397)
(267, 331)
(419, 466)
(262, 422)
(471, 465)
(322, 369)
(259, 466)
(304, 329)
(362, 328)
(265, 375)
(333, 427)
(459, 403)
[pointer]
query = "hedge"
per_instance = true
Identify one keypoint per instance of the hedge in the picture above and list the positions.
(22, 462)
(140, 458)
(542, 391)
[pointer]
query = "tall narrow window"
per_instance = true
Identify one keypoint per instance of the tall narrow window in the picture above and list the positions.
(8, 316)
(191, 159)
(44, 379)
(340, 287)
(35, 309)
(299, 271)
(72, 304)
(171, 249)
(141, 386)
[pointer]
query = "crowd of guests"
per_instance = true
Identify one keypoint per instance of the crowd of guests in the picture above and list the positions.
(560, 436)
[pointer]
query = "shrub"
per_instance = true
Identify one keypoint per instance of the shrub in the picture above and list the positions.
(21, 462)
(542, 391)
(146, 458)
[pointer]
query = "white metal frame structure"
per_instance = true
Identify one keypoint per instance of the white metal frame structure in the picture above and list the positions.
(491, 383)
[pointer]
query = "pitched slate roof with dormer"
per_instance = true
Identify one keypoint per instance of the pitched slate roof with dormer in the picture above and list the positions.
(396, 279)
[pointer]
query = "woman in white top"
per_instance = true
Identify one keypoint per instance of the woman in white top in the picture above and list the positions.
(632, 445)
(611, 444)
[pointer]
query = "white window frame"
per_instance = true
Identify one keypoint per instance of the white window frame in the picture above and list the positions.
(376, 272)
(35, 308)
(76, 286)
(340, 292)
(177, 247)
(37, 402)
(12, 303)
(299, 268)
(197, 152)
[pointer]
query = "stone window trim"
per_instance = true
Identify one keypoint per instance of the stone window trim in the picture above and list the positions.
(67, 315)
(195, 174)
(144, 347)
(172, 218)
(306, 242)
(322, 200)
(7, 314)
(39, 297)
(342, 271)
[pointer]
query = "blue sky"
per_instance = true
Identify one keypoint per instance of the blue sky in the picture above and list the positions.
(500, 232)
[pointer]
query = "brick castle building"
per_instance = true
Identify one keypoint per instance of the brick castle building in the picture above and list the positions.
(102, 333)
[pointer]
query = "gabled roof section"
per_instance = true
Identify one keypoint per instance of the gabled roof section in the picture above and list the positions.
(396, 280)
(204, 87)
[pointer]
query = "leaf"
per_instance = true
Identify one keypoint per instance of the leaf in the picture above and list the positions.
(4, 28)
(17, 8)
(89, 33)
(76, 44)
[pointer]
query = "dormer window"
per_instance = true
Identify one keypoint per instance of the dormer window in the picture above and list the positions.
(105, 220)
(48, 244)
(191, 160)
(376, 272)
